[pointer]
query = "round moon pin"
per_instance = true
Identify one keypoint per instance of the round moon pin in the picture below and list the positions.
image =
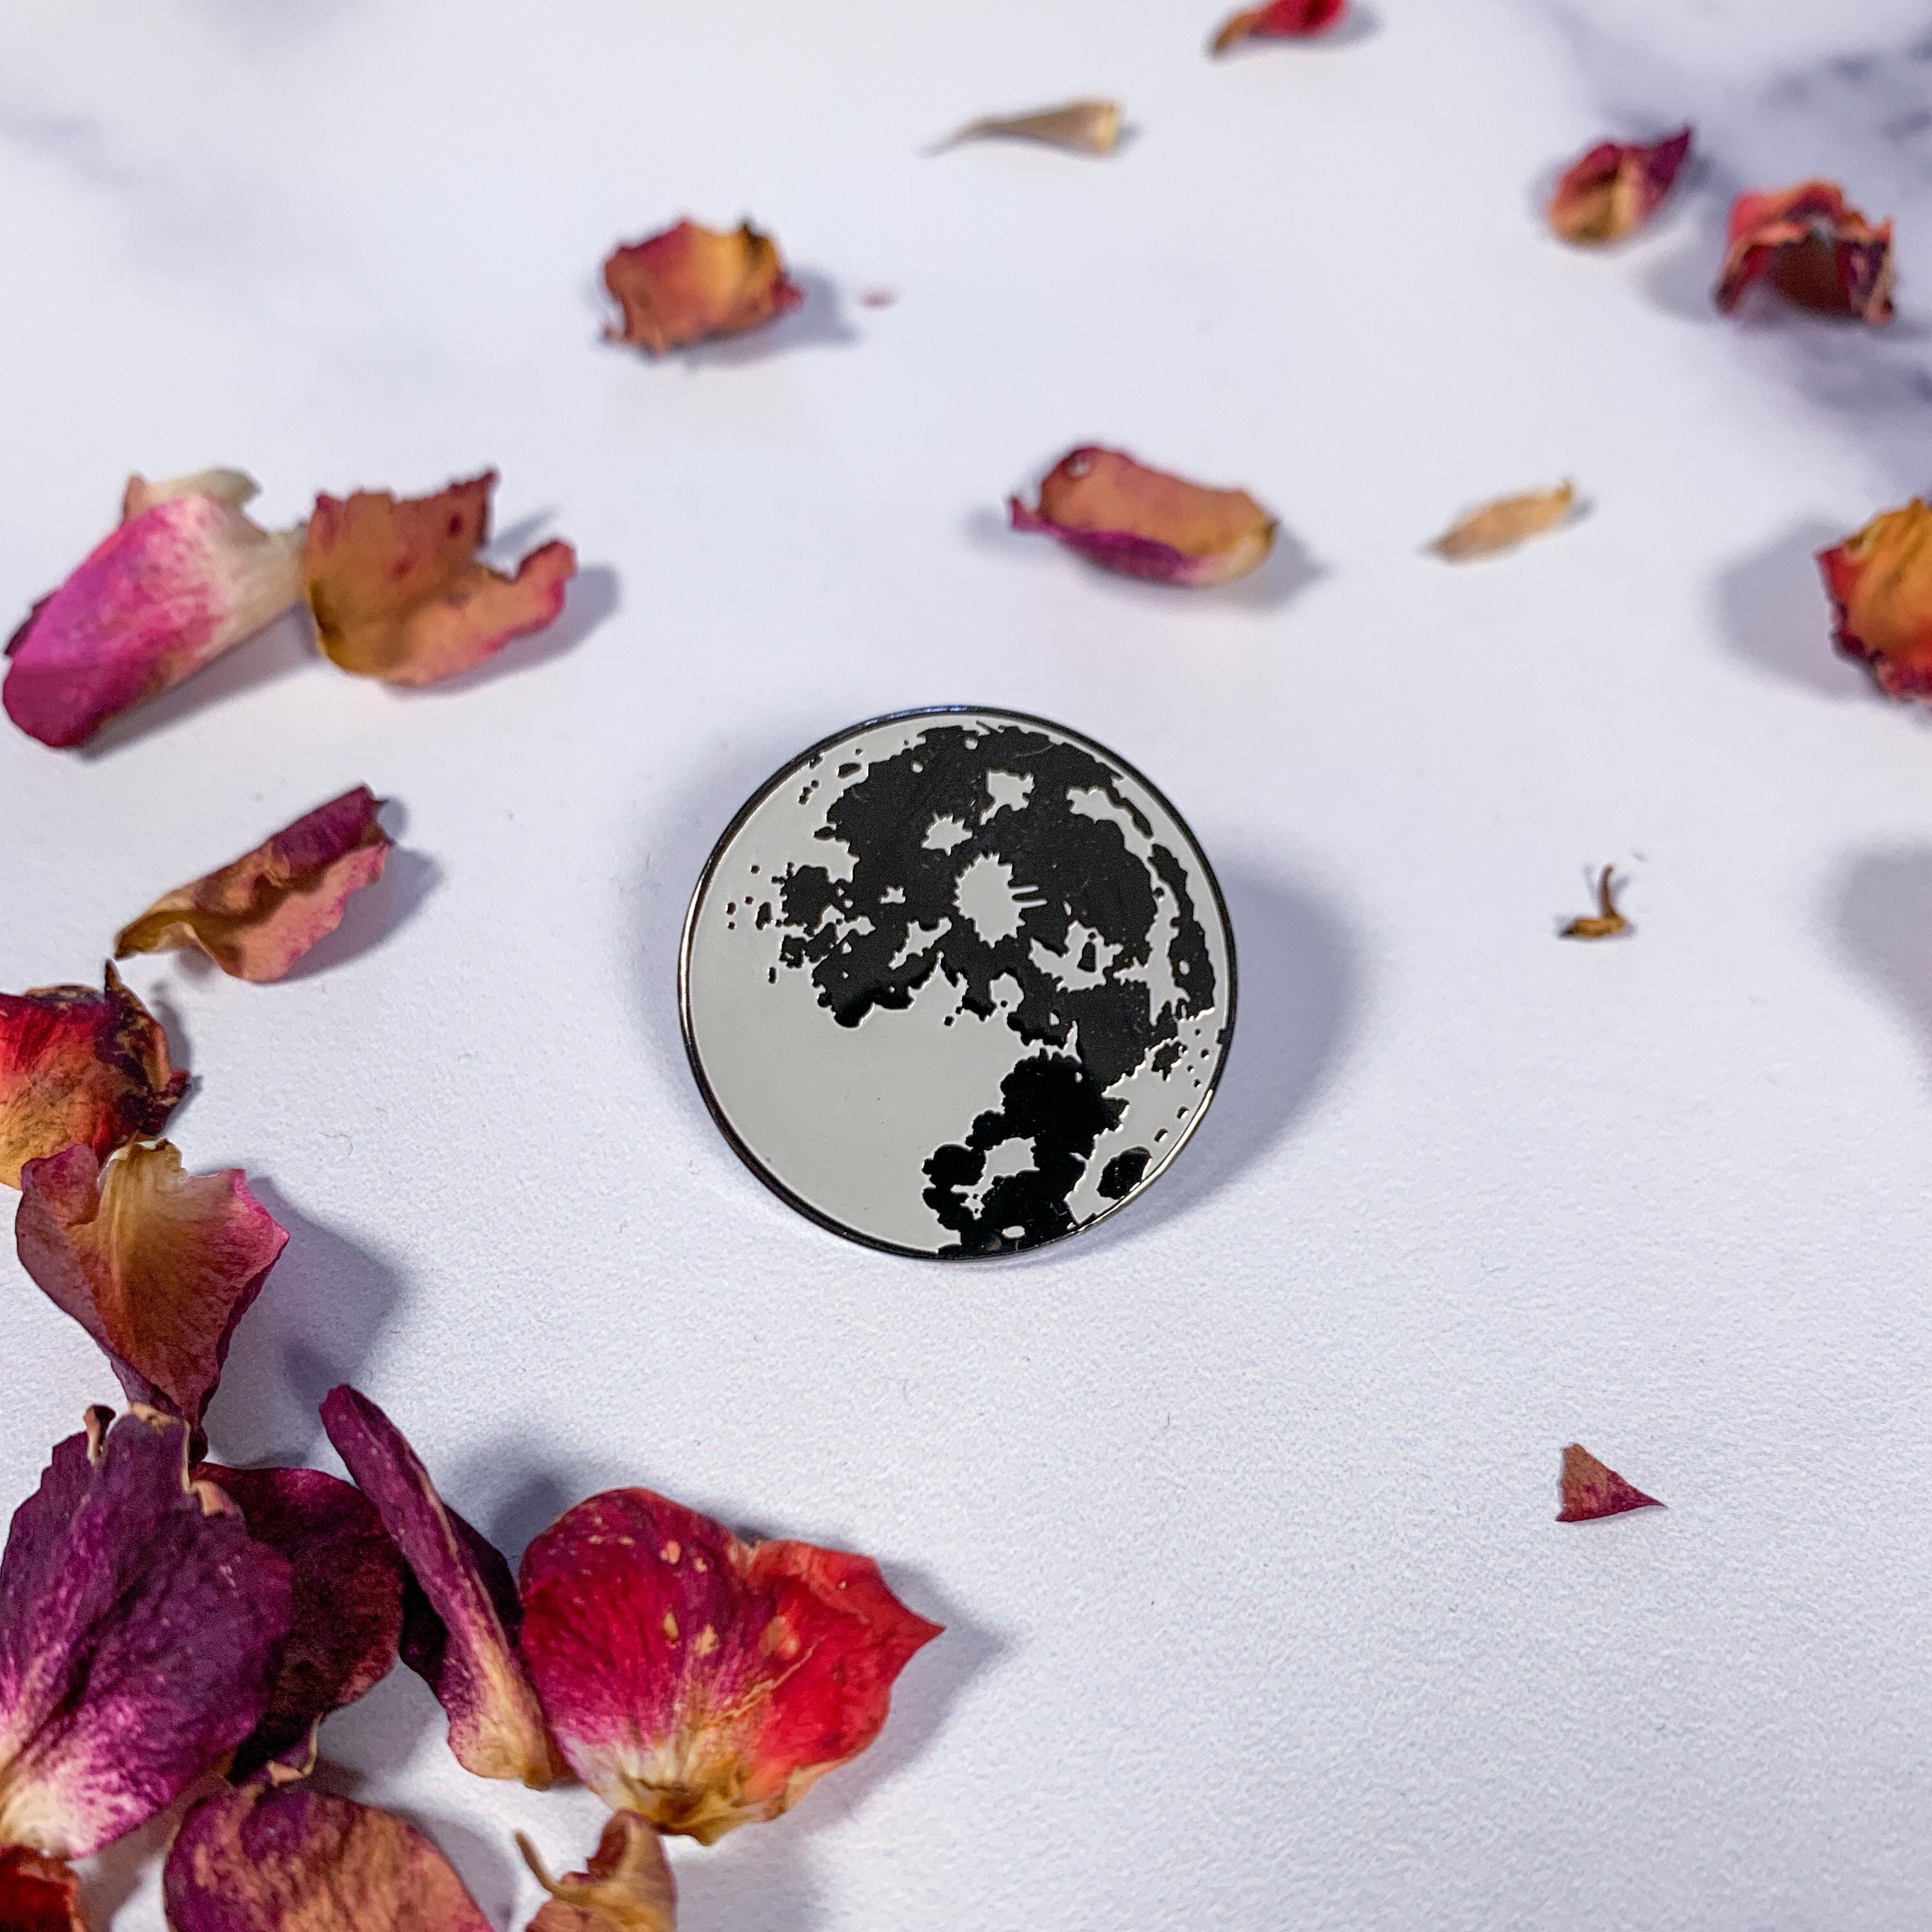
(958, 982)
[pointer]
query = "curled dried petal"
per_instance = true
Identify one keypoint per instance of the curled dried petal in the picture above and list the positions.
(398, 593)
(140, 1627)
(691, 283)
(257, 917)
(1880, 582)
(260, 1860)
(1285, 20)
(468, 1653)
(185, 576)
(345, 1617)
(1615, 188)
(627, 1887)
(37, 1893)
(1606, 922)
(1589, 1490)
(1506, 522)
(1144, 522)
(157, 1265)
(700, 1681)
(79, 1068)
(1085, 127)
(1813, 247)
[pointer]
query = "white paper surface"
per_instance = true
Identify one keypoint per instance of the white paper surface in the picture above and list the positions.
(1239, 1509)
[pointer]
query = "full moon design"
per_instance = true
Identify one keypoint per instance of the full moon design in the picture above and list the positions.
(958, 982)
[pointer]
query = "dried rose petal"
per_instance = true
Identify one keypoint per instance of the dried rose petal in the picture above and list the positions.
(260, 1860)
(80, 1068)
(37, 1893)
(1085, 127)
(140, 1627)
(256, 917)
(1880, 582)
(1144, 523)
(156, 1264)
(1615, 188)
(1285, 20)
(1506, 522)
(468, 1654)
(703, 1682)
(346, 1610)
(627, 1888)
(690, 284)
(186, 577)
(398, 592)
(1589, 1490)
(1813, 247)
(1606, 922)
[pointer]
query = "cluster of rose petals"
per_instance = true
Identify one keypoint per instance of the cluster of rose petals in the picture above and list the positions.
(1814, 247)
(1880, 582)
(185, 577)
(1283, 20)
(699, 1682)
(689, 284)
(257, 917)
(79, 1068)
(1140, 522)
(1504, 524)
(1615, 188)
(398, 593)
(1588, 1489)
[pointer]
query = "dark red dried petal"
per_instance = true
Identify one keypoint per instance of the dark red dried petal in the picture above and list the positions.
(1590, 1490)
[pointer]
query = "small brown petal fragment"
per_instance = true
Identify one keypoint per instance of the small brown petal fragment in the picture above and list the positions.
(1607, 922)
(38, 1894)
(398, 593)
(1614, 189)
(627, 1887)
(1284, 20)
(1880, 582)
(1813, 247)
(1506, 522)
(691, 283)
(1589, 1490)
(1085, 127)
(80, 1068)
(156, 1265)
(256, 917)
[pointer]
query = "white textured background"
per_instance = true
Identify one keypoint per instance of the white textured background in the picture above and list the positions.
(1240, 1510)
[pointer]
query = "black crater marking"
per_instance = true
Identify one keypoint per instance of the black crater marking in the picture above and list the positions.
(966, 796)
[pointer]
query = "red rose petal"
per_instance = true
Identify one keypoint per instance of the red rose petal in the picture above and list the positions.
(1813, 247)
(1880, 582)
(1285, 20)
(37, 1893)
(80, 1068)
(1615, 188)
(1590, 1490)
(689, 283)
(627, 1888)
(700, 1681)
(257, 917)
(398, 592)
(157, 1265)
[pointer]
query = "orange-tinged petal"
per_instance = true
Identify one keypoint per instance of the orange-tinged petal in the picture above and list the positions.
(1813, 247)
(1506, 522)
(38, 1894)
(79, 1068)
(1880, 582)
(627, 1887)
(1085, 127)
(690, 284)
(157, 1265)
(1615, 188)
(398, 593)
(1284, 20)
(1144, 522)
(1589, 1489)
(256, 917)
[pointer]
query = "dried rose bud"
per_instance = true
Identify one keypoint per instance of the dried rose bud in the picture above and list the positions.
(185, 577)
(1589, 1490)
(1814, 247)
(1615, 188)
(80, 1068)
(1285, 20)
(398, 591)
(627, 1888)
(1085, 127)
(1880, 582)
(1144, 523)
(691, 283)
(257, 917)
(1504, 524)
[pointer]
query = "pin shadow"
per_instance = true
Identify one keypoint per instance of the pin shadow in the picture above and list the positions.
(1773, 613)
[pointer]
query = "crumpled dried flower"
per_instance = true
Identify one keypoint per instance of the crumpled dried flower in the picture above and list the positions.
(1880, 582)
(1615, 187)
(1607, 923)
(140, 1627)
(1589, 1490)
(1505, 522)
(1813, 247)
(346, 1616)
(257, 917)
(1085, 127)
(398, 593)
(1144, 522)
(80, 1068)
(691, 283)
(185, 576)
(157, 1265)
(627, 1888)
(1284, 20)
(38, 1894)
